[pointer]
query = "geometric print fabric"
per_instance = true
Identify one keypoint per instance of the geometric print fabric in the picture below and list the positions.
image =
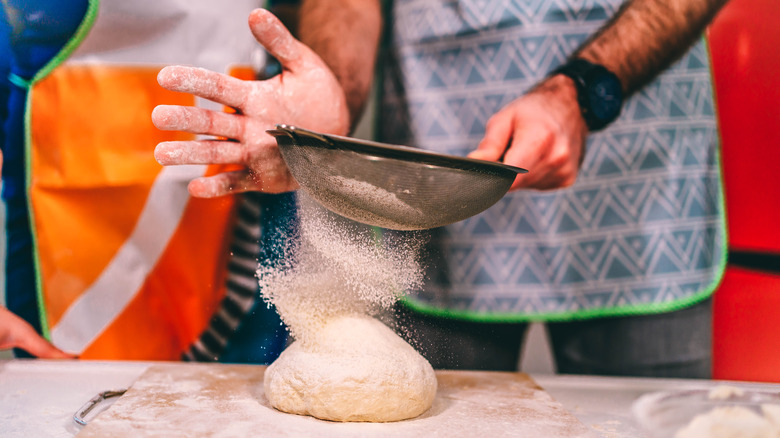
(641, 230)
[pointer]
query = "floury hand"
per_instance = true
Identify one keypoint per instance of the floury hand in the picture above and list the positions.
(305, 94)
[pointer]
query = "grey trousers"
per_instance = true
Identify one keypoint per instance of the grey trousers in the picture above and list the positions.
(674, 344)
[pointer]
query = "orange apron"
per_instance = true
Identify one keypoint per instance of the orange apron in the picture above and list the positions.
(129, 266)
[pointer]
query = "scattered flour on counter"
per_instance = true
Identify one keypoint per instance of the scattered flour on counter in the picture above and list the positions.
(344, 364)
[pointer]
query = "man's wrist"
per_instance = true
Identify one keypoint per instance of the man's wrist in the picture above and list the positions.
(560, 91)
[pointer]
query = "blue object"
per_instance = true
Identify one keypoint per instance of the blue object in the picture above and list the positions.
(32, 33)
(5, 68)
(261, 336)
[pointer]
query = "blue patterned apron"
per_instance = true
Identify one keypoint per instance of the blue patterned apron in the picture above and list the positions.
(641, 231)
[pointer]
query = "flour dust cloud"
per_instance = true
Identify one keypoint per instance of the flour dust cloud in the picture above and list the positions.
(335, 267)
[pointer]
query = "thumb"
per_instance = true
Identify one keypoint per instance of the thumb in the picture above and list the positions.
(271, 33)
(498, 134)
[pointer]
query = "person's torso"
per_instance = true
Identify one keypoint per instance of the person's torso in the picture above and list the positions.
(642, 228)
(129, 265)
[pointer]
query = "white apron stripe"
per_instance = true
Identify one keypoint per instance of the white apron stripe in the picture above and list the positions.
(119, 282)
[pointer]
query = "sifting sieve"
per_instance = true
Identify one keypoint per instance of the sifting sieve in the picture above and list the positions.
(397, 187)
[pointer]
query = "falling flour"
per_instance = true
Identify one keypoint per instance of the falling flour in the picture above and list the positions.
(344, 364)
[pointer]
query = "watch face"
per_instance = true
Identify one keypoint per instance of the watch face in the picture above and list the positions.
(605, 95)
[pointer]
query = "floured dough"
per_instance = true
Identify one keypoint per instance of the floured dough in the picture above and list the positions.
(724, 392)
(772, 413)
(353, 369)
(733, 422)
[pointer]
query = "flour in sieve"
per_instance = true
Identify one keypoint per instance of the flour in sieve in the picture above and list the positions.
(365, 202)
(337, 268)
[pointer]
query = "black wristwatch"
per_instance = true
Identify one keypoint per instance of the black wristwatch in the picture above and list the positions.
(599, 92)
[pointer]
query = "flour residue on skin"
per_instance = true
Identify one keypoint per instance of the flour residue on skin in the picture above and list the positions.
(335, 268)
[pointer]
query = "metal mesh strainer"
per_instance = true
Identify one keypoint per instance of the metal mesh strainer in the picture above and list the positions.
(390, 186)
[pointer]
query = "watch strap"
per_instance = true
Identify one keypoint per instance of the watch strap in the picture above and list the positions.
(581, 72)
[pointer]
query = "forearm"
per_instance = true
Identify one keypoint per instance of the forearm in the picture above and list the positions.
(646, 36)
(345, 34)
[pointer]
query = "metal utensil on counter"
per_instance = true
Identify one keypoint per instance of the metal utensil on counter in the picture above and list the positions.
(390, 186)
(80, 416)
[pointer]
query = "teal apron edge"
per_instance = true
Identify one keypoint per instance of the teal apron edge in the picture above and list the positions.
(617, 311)
(69, 47)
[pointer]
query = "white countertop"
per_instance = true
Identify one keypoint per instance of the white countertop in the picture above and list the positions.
(39, 397)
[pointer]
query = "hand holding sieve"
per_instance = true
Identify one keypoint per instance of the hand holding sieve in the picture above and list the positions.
(390, 186)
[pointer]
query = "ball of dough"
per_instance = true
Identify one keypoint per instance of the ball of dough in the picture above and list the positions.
(731, 422)
(353, 369)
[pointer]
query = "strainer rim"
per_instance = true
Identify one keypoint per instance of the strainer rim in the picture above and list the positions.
(407, 153)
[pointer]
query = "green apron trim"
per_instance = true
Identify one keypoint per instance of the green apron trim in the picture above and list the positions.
(723, 217)
(632, 310)
(644, 309)
(76, 40)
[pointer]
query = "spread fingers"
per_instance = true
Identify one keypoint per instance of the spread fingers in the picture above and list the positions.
(207, 84)
(198, 121)
(170, 153)
(222, 184)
